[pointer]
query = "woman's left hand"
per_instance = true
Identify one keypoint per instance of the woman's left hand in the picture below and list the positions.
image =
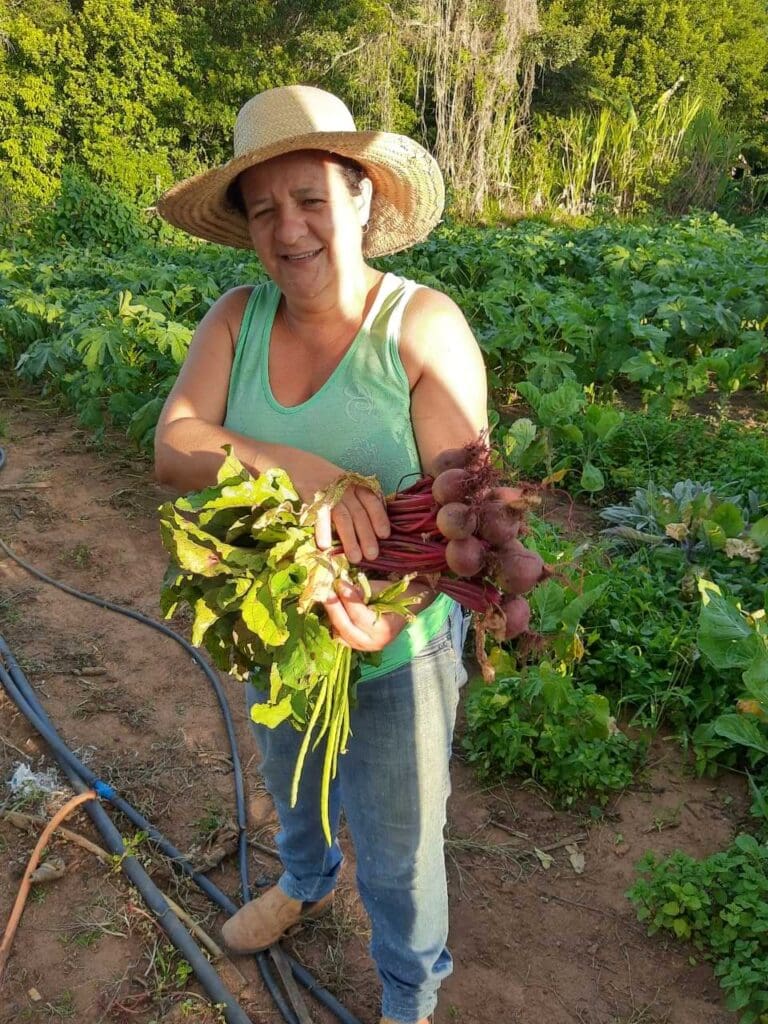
(358, 625)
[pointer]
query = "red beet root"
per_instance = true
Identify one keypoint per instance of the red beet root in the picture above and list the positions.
(465, 557)
(450, 486)
(519, 569)
(499, 524)
(518, 616)
(456, 521)
(451, 458)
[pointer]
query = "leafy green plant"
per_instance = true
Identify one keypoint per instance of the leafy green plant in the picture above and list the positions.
(654, 447)
(539, 724)
(692, 515)
(735, 642)
(562, 414)
(720, 905)
(534, 720)
(88, 214)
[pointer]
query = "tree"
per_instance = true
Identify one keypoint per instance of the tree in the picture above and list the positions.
(640, 48)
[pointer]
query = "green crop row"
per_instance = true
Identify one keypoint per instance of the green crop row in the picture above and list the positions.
(666, 310)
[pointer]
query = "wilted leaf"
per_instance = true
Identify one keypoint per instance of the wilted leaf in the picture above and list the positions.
(736, 548)
(577, 859)
(545, 859)
(49, 870)
(677, 531)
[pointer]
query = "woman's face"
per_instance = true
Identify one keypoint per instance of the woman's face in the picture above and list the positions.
(305, 224)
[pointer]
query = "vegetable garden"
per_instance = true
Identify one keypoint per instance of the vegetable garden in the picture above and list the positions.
(629, 372)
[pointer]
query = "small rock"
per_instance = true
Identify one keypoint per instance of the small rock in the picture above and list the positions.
(34, 995)
(622, 850)
(593, 949)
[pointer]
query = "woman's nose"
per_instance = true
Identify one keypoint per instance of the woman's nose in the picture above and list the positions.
(290, 226)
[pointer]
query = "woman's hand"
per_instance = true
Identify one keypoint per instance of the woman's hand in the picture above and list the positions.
(358, 625)
(359, 517)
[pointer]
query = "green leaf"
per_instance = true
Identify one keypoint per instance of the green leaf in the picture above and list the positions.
(592, 479)
(556, 687)
(571, 433)
(190, 548)
(262, 617)
(518, 438)
(681, 928)
(602, 421)
(744, 731)
(235, 486)
(729, 517)
(272, 715)
(206, 613)
(579, 605)
(281, 549)
(275, 683)
(725, 637)
(198, 551)
(640, 367)
(562, 405)
(598, 726)
(758, 532)
(755, 676)
(713, 533)
(747, 843)
(229, 596)
(547, 601)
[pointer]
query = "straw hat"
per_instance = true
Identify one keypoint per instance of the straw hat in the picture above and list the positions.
(408, 191)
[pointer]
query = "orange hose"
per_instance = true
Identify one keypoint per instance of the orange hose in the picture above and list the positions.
(34, 860)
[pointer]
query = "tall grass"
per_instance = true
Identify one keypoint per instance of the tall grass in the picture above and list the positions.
(677, 155)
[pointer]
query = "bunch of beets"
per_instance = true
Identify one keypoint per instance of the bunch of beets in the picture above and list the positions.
(459, 531)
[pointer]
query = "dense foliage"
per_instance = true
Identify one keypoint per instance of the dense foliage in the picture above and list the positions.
(664, 310)
(720, 905)
(139, 92)
(636, 50)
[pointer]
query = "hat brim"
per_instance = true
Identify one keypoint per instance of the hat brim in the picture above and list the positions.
(408, 191)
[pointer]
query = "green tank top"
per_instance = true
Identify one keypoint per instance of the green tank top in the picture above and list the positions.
(360, 419)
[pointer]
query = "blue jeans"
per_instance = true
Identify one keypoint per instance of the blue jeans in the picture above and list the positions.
(393, 784)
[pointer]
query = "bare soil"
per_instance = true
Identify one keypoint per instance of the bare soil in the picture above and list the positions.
(530, 944)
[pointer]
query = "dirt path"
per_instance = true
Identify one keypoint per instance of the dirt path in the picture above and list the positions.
(530, 945)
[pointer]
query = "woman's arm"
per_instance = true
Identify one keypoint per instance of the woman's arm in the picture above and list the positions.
(448, 410)
(449, 391)
(190, 436)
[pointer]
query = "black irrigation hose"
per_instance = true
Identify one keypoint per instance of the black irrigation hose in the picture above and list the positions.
(24, 697)
(153, 897)
(40, 719)
(201, 662)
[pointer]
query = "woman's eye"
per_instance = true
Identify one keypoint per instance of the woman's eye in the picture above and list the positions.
(313, 202)
(259, 213)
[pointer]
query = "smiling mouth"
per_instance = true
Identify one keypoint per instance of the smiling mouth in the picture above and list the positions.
(301, 257)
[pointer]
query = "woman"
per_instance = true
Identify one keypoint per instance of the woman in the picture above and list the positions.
(334, 366)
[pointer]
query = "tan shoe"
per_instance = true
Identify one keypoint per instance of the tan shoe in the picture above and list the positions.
(263, 921)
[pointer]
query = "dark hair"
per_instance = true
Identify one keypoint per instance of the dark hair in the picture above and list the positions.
(352, 171)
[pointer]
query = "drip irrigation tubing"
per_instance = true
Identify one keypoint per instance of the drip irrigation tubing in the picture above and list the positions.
(22, 693)
(153, 897)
